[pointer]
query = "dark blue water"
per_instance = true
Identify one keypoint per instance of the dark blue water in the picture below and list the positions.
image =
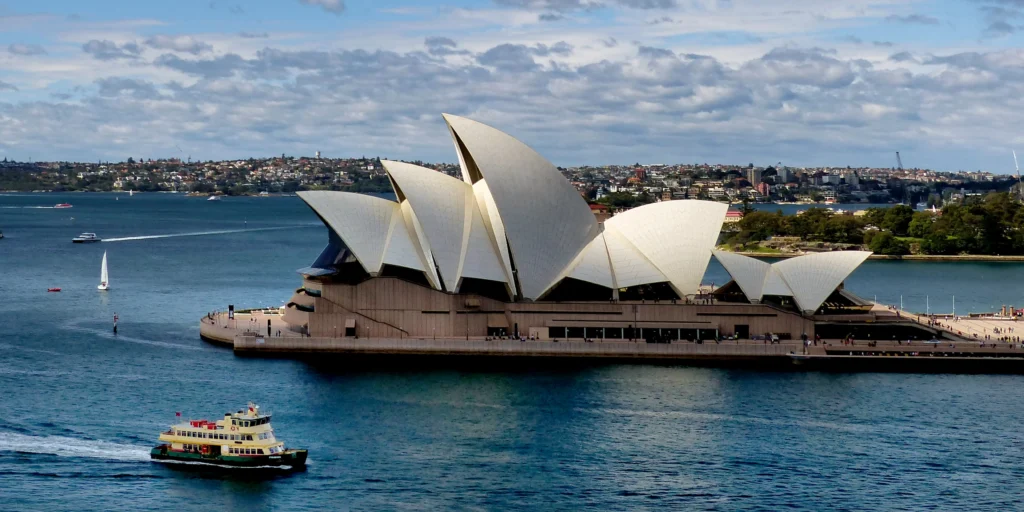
(79, 408)
(791, 208)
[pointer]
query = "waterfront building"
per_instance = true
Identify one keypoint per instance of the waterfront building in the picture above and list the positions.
(513, 249)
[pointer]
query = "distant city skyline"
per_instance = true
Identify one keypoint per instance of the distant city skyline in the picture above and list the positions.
(584, 82)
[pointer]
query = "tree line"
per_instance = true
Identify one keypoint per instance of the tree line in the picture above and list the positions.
(992, 224)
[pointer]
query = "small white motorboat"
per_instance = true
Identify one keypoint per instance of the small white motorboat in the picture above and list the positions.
(86, 238)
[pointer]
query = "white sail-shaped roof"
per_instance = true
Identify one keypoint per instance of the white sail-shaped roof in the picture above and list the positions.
(774, 284)
(749, 273)
(676, 236)
(440, 205)
(495, 229)
(629, 266)
(420, 242)
(362, 221)
(545, 220)
(515, 219)
(403, 250)
(809, 279)
(480, 258)
(815, 276)
(593, 265)
(453, 229)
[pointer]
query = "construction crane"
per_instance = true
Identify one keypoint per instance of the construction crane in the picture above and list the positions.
(1020, 192)
(899, 165)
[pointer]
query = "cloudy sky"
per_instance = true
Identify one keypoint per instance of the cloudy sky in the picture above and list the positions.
(804, 82)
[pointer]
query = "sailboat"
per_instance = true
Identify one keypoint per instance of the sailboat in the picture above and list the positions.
(104, 279)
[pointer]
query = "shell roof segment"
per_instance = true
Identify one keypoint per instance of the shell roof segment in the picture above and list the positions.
(675, 236)
(546, 221)
(439, 202)
(362, 221)
(809, 279)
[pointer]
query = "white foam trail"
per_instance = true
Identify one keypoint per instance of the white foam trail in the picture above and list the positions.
(26, 207)
(71, 447)
(203, 233)
(120, 337)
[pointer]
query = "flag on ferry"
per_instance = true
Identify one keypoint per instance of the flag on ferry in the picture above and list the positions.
(178, 414)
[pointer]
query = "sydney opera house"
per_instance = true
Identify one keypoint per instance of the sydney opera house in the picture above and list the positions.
(512, 249)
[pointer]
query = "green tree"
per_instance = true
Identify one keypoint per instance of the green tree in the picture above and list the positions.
(843, 229)
(875, 216)
(897, 219)
(886, 243)
(937, 244)
(808, 225)
(921, 224)
(758, 225)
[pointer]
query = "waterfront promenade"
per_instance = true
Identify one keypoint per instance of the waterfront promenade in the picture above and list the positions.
(988, 329)
(960, 355)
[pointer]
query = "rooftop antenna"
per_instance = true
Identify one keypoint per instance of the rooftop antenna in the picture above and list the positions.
(1019, 191)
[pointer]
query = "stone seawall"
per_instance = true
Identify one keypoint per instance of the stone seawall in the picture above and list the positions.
(950, 358)
(512, 348)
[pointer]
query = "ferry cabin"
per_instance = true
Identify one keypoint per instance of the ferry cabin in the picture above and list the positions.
(240, 434)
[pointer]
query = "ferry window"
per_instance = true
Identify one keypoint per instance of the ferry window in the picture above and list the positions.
(233, 422)
(248, 437)
(260, 451)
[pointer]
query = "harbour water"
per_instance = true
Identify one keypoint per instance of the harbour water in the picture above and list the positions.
(80, 408)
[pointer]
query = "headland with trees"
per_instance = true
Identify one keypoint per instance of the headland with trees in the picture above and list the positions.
(989, 225)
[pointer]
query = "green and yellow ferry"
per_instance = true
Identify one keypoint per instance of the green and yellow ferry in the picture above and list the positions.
(241, 439)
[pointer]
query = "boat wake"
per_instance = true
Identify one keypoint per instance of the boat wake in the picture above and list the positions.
(28, 207)
(71, 447)
(204, 233)
(110, 336)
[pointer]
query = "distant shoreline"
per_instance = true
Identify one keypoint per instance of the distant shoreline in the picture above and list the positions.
(907, 257)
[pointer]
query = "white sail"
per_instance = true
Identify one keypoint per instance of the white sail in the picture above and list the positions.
(104, 278)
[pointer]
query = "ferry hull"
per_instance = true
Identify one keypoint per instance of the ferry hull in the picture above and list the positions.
(288, 458)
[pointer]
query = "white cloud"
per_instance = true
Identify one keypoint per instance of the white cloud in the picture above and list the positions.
(26, 49)
(185, 44)
(727, 81)
(331, 6)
